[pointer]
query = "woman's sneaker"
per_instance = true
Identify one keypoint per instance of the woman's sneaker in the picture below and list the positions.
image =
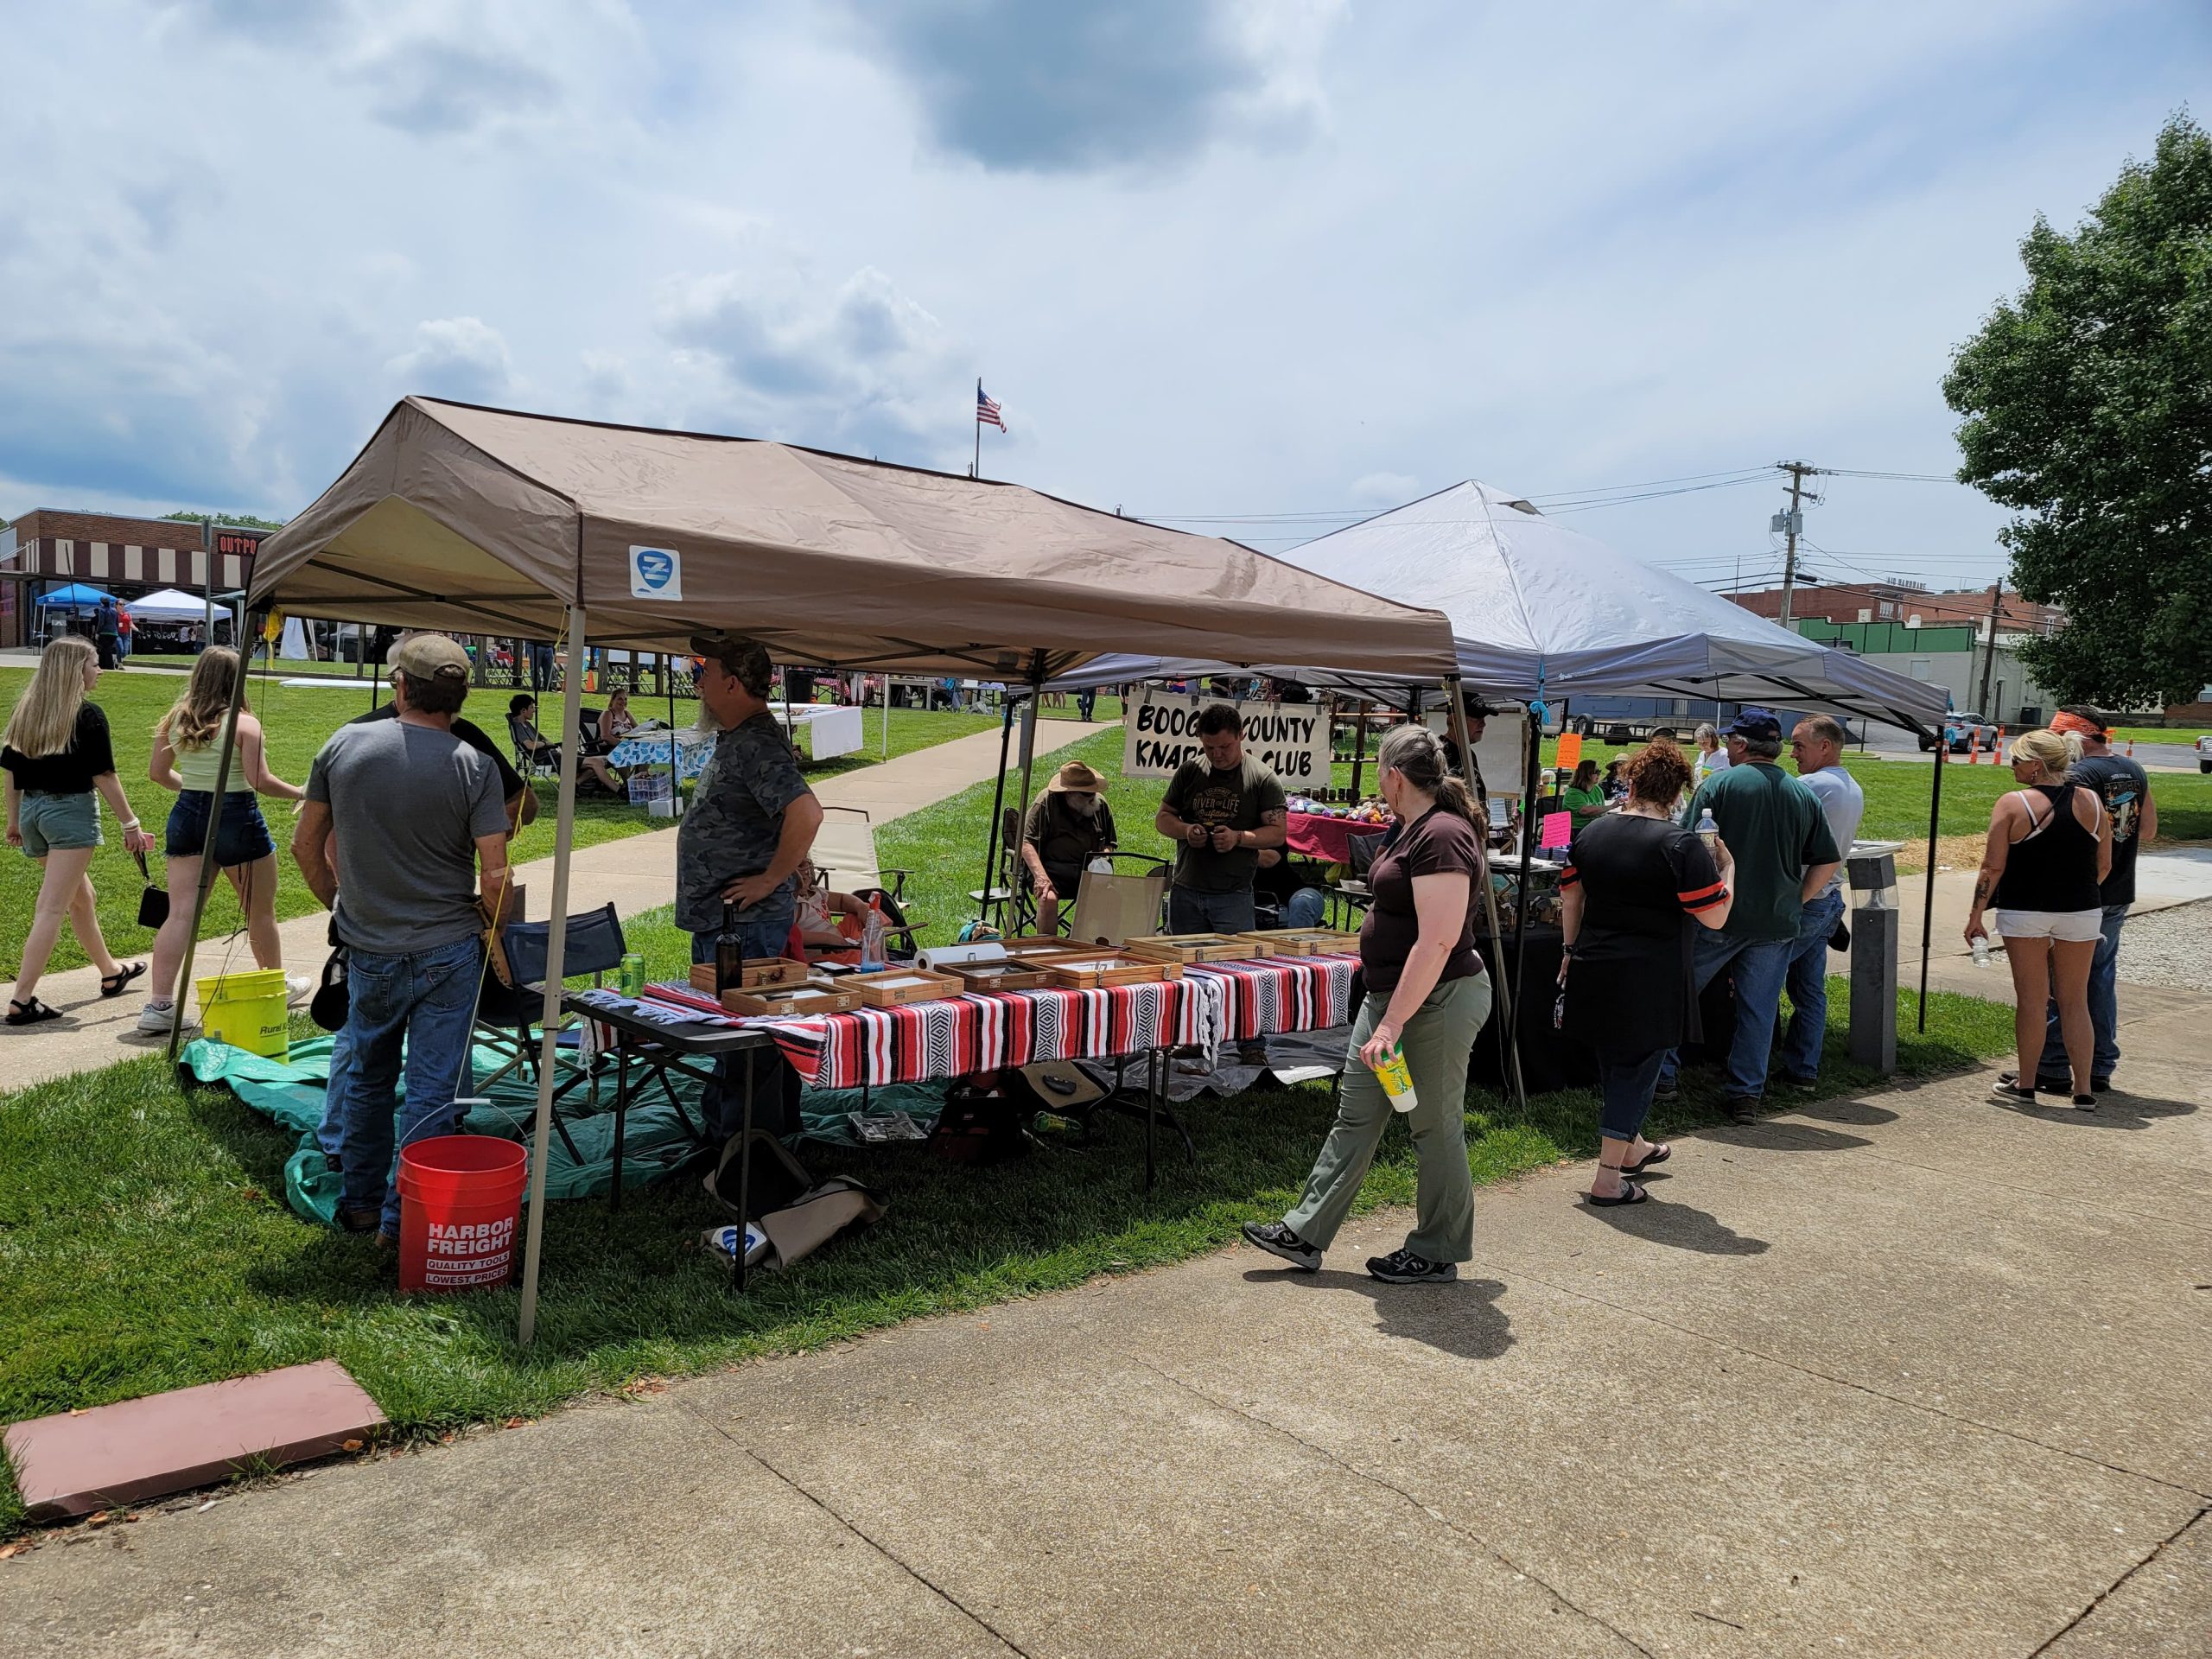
(1404, 1267)
(1278, 1240)
(296, 989)
(155, 1018)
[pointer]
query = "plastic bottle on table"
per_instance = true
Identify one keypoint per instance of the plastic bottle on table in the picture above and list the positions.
(872, 929)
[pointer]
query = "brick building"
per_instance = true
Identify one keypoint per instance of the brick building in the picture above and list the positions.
(1899, 601)
(129, 557)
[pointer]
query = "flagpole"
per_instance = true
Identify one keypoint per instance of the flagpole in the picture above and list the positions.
(976, 471)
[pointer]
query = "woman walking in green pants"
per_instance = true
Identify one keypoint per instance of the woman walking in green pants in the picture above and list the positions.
(1426, 994)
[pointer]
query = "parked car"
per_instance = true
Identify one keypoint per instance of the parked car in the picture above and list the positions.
(1965, 733)
(2204, 753)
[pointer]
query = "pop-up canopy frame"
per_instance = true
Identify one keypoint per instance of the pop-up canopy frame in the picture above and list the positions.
(480, 520)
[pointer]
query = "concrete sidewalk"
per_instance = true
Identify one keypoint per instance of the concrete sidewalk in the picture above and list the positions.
(1912, 1376)
(637, 874)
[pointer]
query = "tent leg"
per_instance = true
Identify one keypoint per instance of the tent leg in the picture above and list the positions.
(1509, 1032)
(998, 804)
(886, 711)
(556, 949)
(1530, 767)
(1029, 735)
(1928, 899)
(205, 882)
(1359, 748)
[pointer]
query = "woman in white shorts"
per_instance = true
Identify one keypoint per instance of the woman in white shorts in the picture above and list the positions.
(2049, 849)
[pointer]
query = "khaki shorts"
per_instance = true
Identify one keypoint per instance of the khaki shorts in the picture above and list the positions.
(2066, 926)
(60, 823)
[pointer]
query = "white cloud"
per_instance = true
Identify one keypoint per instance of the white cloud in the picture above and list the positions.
(459, 357)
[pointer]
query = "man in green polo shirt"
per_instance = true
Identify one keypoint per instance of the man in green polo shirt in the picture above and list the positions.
(1785, 853)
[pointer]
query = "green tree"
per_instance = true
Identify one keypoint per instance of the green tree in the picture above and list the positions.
(2087, 406)
(243, 520)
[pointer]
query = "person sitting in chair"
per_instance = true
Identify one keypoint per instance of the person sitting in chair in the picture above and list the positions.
(826, 926)
(1069, 825)
(532, 748)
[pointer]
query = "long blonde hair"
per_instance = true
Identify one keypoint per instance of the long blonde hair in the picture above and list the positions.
(44, 718)
(2055, 751)
(195, 719)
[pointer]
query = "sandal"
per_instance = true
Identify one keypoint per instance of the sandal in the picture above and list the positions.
(30, 1012)
(1658, 1154)
(1629, 1193)
(112, 984)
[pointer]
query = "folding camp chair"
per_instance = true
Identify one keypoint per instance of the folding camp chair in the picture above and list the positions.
(844, 852)
(509, 1009)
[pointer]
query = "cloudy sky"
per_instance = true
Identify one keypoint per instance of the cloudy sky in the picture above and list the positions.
(1250, 264)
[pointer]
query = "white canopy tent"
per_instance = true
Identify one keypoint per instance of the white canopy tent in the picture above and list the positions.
(1540, 611)
(171, 604)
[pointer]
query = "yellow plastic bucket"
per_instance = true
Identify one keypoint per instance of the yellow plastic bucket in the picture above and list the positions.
(247, 1012)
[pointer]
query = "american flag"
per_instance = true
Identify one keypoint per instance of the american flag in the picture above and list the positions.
(987, 412)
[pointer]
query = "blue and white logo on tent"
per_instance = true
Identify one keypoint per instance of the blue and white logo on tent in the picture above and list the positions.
(656, 573)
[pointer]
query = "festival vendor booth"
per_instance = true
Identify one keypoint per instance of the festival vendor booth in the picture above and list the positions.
(1541, 613)
(476, 520)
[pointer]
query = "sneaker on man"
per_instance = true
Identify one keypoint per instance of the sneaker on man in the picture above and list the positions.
(1742, 1109)
(1278, 1240)
(1404, 1267)
(154, 1018)
(296, 989)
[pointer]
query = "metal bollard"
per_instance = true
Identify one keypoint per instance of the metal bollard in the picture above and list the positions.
(1874, 933)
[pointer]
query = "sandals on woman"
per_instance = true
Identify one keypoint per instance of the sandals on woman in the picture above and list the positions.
(30, 1011)
(113, 984)
(1658, 1154)
(1629, 1193)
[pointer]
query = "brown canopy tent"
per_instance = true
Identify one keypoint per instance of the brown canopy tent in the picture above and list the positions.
(480, 520)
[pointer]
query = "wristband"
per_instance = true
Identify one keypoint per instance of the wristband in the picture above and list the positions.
(131, 824)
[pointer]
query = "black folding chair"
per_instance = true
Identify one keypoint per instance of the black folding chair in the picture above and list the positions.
(509, 1009)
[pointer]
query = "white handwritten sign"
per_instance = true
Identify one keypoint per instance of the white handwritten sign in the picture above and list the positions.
(1160, 732)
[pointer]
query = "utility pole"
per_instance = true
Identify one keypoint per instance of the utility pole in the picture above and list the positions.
(1792, 523)
(1989, 652)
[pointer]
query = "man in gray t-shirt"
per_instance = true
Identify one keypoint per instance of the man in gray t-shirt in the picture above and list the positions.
(399, 815)
(1816, 745)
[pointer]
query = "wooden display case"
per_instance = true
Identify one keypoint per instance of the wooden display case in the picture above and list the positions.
(1306, 941)
(1199, 947)
(896, 986)
(783, 1002)
(1095, 970)
(759, 974)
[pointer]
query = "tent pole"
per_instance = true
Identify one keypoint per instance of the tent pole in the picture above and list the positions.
(1359, 748)
(205, 882)
(1508, 1033)
(556, 949)
(887, 710)
(674, 782)
(998, 797)
(1927, 901)
(1528, 770)
(1029, 731)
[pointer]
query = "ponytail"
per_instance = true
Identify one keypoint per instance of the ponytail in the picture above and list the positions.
(1414, 753)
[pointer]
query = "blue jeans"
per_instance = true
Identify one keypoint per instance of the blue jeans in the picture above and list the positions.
(1190, 911)
(1761, 967)
(764, 930)
(2104, 1008)
(330, 1135)
(1808, 988)
(415, 1011)
(1626, 1086)
(1304, 908)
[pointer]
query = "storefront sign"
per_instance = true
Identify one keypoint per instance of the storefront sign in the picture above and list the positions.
(1160, 732)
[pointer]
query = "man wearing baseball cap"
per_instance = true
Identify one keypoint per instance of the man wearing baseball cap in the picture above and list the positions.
(400, 817)
(752, 823)
(1785, 853)
(2125, 789)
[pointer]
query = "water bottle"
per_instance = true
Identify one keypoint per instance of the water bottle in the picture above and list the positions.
(1981, 950)
(1707, 830)
(729, 953)
(1397, 1080)
(872, 927)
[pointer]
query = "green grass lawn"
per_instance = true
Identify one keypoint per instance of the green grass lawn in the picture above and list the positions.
(297, 720)
(140, 1247)
(2184, 736)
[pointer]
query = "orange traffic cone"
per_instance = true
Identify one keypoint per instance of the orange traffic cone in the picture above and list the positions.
(2130, 748)
(1997, 755)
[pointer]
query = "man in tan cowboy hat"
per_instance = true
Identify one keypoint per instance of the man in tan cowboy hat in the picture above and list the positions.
(1069, 825)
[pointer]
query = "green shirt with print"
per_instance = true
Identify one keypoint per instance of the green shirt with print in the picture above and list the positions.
(1776, 830)
(1240, 799)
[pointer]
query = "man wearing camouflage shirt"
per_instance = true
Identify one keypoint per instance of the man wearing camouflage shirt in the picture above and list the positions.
(752, 821)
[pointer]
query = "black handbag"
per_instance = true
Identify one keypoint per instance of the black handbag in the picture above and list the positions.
(153, 901)
(332, 998)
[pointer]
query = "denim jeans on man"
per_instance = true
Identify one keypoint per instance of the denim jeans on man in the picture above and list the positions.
(1190, 911)
(417, 1011)
(1761, 966)
(763, 931)
(2104, 1009)
(1808, 988)
(1304, 908)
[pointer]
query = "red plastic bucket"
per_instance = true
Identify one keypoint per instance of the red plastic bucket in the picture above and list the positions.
(459, 1200)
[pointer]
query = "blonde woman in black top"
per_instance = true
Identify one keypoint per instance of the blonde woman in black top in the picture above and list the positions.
(2049, 850)
(61, 764)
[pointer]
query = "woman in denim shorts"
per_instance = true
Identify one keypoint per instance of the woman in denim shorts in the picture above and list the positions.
(60, 762)
(188, 751)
